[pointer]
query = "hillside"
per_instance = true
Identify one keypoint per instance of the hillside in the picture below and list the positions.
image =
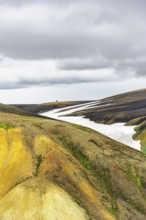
(55, 170)
(39, 108)
(126, 108)
(119, 108)
(14, 110)
(115, 109)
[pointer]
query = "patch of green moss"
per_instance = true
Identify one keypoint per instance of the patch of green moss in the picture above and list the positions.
(38, 163)
(143, 148)
(82, 128)
(77, 200)
(77, 153)
(114, 210)
(134, 176)
(38, 125)
(6, 125)
(105, 178)
(137, 128)
(111, 192)
(102, 175)
(141, 135)
(137, 206)
(138, 181)
(104, 197)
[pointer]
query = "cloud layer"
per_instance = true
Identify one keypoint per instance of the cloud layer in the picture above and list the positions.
(43, 73)
(52, 42)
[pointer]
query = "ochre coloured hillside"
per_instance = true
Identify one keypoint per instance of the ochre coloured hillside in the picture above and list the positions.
(55, 170)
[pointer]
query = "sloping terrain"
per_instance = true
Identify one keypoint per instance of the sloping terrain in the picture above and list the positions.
(119, 108)
(115, 109)
(126, 108)
(117, 131)
(55, 170)
(14, 110)
(140, 134)
(39, 108)
(129, 108)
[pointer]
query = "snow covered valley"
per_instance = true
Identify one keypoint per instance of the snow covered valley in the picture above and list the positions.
(117, 131)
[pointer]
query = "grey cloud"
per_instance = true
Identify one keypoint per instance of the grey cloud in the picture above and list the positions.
(77, 34)
(137, 66)
(54, 81)
(27, 83)
(56, 2)
(64, 44)
(84, 64)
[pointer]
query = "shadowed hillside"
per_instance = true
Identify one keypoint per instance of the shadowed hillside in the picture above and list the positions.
(119, 108)
(55, 170)
(39, 108)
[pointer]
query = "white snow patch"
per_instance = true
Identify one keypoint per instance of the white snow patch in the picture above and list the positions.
(75, 108)
(117, 131)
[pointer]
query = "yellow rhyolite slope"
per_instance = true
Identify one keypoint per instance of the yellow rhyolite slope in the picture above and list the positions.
(28, 201)
(53, 170)
(27, 186)
(15, 159)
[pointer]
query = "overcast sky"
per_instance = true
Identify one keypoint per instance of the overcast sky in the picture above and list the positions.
(71, 49)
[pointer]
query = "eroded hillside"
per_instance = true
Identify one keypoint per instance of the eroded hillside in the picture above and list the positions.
(55, 170)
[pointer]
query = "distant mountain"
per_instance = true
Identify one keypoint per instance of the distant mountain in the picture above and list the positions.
(55, 170)
(39, 108)
(119, 108)
(129, 108)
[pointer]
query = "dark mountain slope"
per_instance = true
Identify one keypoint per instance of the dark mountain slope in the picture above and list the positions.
(39, 108)
(119, 108)
(127, 97)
